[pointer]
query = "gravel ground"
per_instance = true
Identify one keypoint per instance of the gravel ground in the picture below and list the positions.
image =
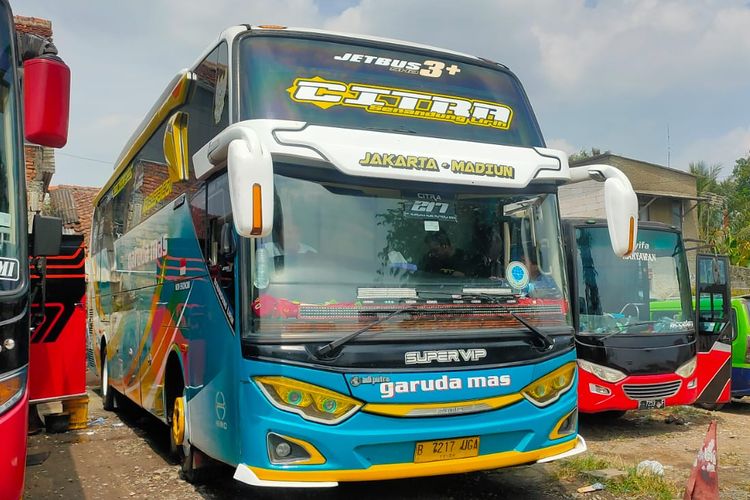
(124, 455)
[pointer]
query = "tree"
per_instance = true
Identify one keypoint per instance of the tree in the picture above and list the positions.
(713, 206)
(707, 177)
(733, 238)
(583, 154)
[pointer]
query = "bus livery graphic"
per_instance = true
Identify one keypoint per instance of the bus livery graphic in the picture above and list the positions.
(275, 268)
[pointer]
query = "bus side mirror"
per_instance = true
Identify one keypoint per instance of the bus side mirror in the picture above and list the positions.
(250, 171)
(713, 296)
(46, 101)
(620, 204)
(46, 236)
(175, 146)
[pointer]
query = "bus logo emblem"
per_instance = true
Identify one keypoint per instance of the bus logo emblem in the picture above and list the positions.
(221, 410)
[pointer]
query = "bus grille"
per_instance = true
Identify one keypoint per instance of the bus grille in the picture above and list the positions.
(652, 391)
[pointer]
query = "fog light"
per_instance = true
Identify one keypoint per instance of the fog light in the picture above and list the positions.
(283, 450)
(566, 426)
(9, 344)
(599, 389)
(693, 384)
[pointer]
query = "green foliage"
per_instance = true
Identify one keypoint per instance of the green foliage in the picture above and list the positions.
(633, 485)
(583, 154)
(629, 485)
(724, 215)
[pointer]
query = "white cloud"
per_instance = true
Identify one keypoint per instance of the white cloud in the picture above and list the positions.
(562, 145)
(611, 76)
(723, 149)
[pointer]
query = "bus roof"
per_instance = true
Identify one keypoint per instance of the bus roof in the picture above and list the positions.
(167, 101)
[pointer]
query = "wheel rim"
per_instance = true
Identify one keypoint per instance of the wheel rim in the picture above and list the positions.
(178, 421)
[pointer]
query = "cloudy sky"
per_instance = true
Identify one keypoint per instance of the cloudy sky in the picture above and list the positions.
(614, 74)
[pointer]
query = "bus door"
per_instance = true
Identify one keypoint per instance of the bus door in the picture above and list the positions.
(58, 342)
(715, 330)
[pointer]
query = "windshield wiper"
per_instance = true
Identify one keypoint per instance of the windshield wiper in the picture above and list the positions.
(323, 350)
(547, 341)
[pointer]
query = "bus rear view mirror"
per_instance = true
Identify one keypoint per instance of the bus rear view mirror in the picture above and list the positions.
(250, 172)
(620, 204)
(175, 146)
(46, 236)
(46, 101)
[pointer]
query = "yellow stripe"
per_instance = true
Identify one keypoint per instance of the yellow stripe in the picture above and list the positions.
(404, 470)
(403, 410)
(176, 98)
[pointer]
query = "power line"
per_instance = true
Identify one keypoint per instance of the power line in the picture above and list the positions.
(83, 157)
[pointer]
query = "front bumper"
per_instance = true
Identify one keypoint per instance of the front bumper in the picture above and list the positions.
(591, 401)
(369, 446)
(257, 476)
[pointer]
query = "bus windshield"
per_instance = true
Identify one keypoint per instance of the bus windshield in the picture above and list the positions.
(645, 293)
(9, 161)
(343, 251)
(342, 84)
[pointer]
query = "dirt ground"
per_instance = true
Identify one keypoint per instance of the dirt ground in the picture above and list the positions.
(124, 455)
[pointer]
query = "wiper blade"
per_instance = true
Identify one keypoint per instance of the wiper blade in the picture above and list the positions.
(326, 349)
(547, 341)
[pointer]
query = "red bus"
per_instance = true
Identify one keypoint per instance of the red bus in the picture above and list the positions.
(57, 362)
(640, 344)
(45, 93)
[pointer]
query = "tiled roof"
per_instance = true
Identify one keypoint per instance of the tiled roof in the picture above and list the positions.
(33, 25)
(75, 205)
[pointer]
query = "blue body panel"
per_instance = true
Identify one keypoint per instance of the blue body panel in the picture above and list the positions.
(175, 308)
(740, 381)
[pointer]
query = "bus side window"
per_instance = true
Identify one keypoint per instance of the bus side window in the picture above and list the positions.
(198, 213)
(207, 104)
(221, 245)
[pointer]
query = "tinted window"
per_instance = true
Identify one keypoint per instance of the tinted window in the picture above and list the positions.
(353, 86)
(10, 211)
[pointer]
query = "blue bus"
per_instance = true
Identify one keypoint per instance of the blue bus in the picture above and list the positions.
(326, 257)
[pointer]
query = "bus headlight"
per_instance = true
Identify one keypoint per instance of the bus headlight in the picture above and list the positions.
(548, 388)
(12, 386)
(308, 401)
(688, 368)
(603, 372)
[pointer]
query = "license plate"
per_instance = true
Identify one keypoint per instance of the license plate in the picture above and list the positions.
(446, 449)
(651, 404)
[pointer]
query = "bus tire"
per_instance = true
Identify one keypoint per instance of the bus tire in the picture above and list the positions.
(194, 470)
(107, 392)
(175, 405)
(710, 406)
(177, 429)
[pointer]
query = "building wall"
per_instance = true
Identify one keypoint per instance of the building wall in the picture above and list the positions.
(583, 199)
(648, 180)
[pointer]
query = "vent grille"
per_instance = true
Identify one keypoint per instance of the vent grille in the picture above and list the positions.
(652, 391)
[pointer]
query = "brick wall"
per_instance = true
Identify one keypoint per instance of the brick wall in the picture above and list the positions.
(33, 25)
(40, 161)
